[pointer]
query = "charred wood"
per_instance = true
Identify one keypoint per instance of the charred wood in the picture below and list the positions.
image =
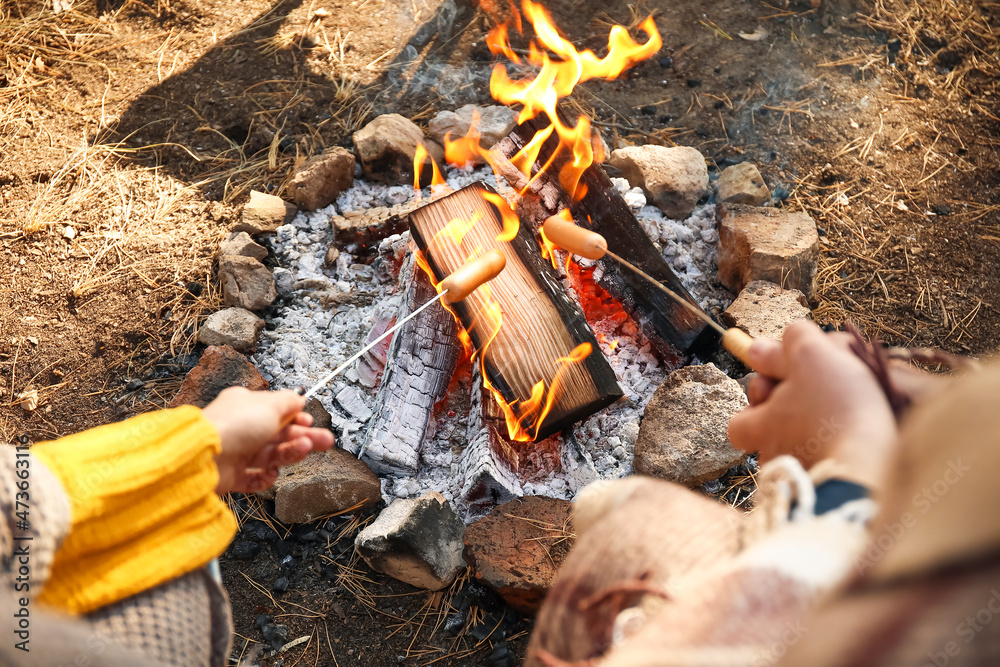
(421, 360)
(669, 325)
(488, 478)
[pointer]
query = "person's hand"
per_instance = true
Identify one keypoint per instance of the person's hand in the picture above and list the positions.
(814, 399)
(254, 444)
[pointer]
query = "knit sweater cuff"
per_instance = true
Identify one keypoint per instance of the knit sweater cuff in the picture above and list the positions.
(144, 509)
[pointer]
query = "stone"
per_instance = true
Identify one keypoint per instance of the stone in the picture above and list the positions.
(674, 178)
(318, 181)
(495, 122)
(518, 547)
(769, 244)
(264, 213)
(246, 282)
(324, 483)
(386, 146)
(240, 243)
(417, 541)
(28, 400)
(220, 367)
(330, 258)
(321, 418)
(370, 227)
(745, 382)
(284, 281)
(235, 327)
(743, 184)
(683, 434)
(763, 309)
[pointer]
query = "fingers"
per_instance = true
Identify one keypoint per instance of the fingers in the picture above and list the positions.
(767, 357)
(295, 448)
(322, 439)
(259, 480)
(287, 402)
(760, 389)
(748, 432)
(774, 359)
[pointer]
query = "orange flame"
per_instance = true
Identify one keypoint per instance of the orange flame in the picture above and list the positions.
(420, 157)
(556, 79)
(511, 223)
(520, 416)
(465, 150)
(578, 148)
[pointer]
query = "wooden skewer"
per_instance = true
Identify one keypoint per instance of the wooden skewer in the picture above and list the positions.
(454, 288)
(591, 245)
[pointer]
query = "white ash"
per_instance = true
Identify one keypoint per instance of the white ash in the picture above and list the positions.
(305, 340)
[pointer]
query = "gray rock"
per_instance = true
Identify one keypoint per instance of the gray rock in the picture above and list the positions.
(769, 244)
(235, 327)
(683, 434)
(674, 178)
(417, 541)
(385, 148)
(743, 184)
(321, 178)
(283, 280)
(763, 309)
(495, 122)
(324, 483)
(246, 282)
(264, 213)
(240, 243)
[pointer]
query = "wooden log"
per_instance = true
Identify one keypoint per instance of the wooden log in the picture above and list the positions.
(541, 327)
(603, 210)
(421, 360)
(488, 476)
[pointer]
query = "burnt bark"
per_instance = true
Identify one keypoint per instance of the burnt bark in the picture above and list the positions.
(669, 325)
(488, 477)
(422, 358)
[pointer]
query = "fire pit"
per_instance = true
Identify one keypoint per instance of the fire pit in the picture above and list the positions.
(535, 384)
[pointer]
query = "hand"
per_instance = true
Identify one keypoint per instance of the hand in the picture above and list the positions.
(254, 443)
(814, 399)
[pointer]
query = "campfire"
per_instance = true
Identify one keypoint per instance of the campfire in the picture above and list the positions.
(535, 383)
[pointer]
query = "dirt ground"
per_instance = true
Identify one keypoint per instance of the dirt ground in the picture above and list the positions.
(131, 132)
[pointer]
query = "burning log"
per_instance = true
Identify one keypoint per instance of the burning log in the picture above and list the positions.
(538, 353)
(602, 209)
(488, 478)
(422, 358)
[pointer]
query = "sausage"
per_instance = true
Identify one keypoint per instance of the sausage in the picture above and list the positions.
(575, 239)
(464, 280)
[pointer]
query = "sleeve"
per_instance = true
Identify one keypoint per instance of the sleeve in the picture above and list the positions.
(142, 503)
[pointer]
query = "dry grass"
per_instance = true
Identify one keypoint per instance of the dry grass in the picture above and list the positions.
(923, 27)
(856, 260)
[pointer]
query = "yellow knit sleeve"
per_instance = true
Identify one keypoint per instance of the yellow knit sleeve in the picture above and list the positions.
(143, 503)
